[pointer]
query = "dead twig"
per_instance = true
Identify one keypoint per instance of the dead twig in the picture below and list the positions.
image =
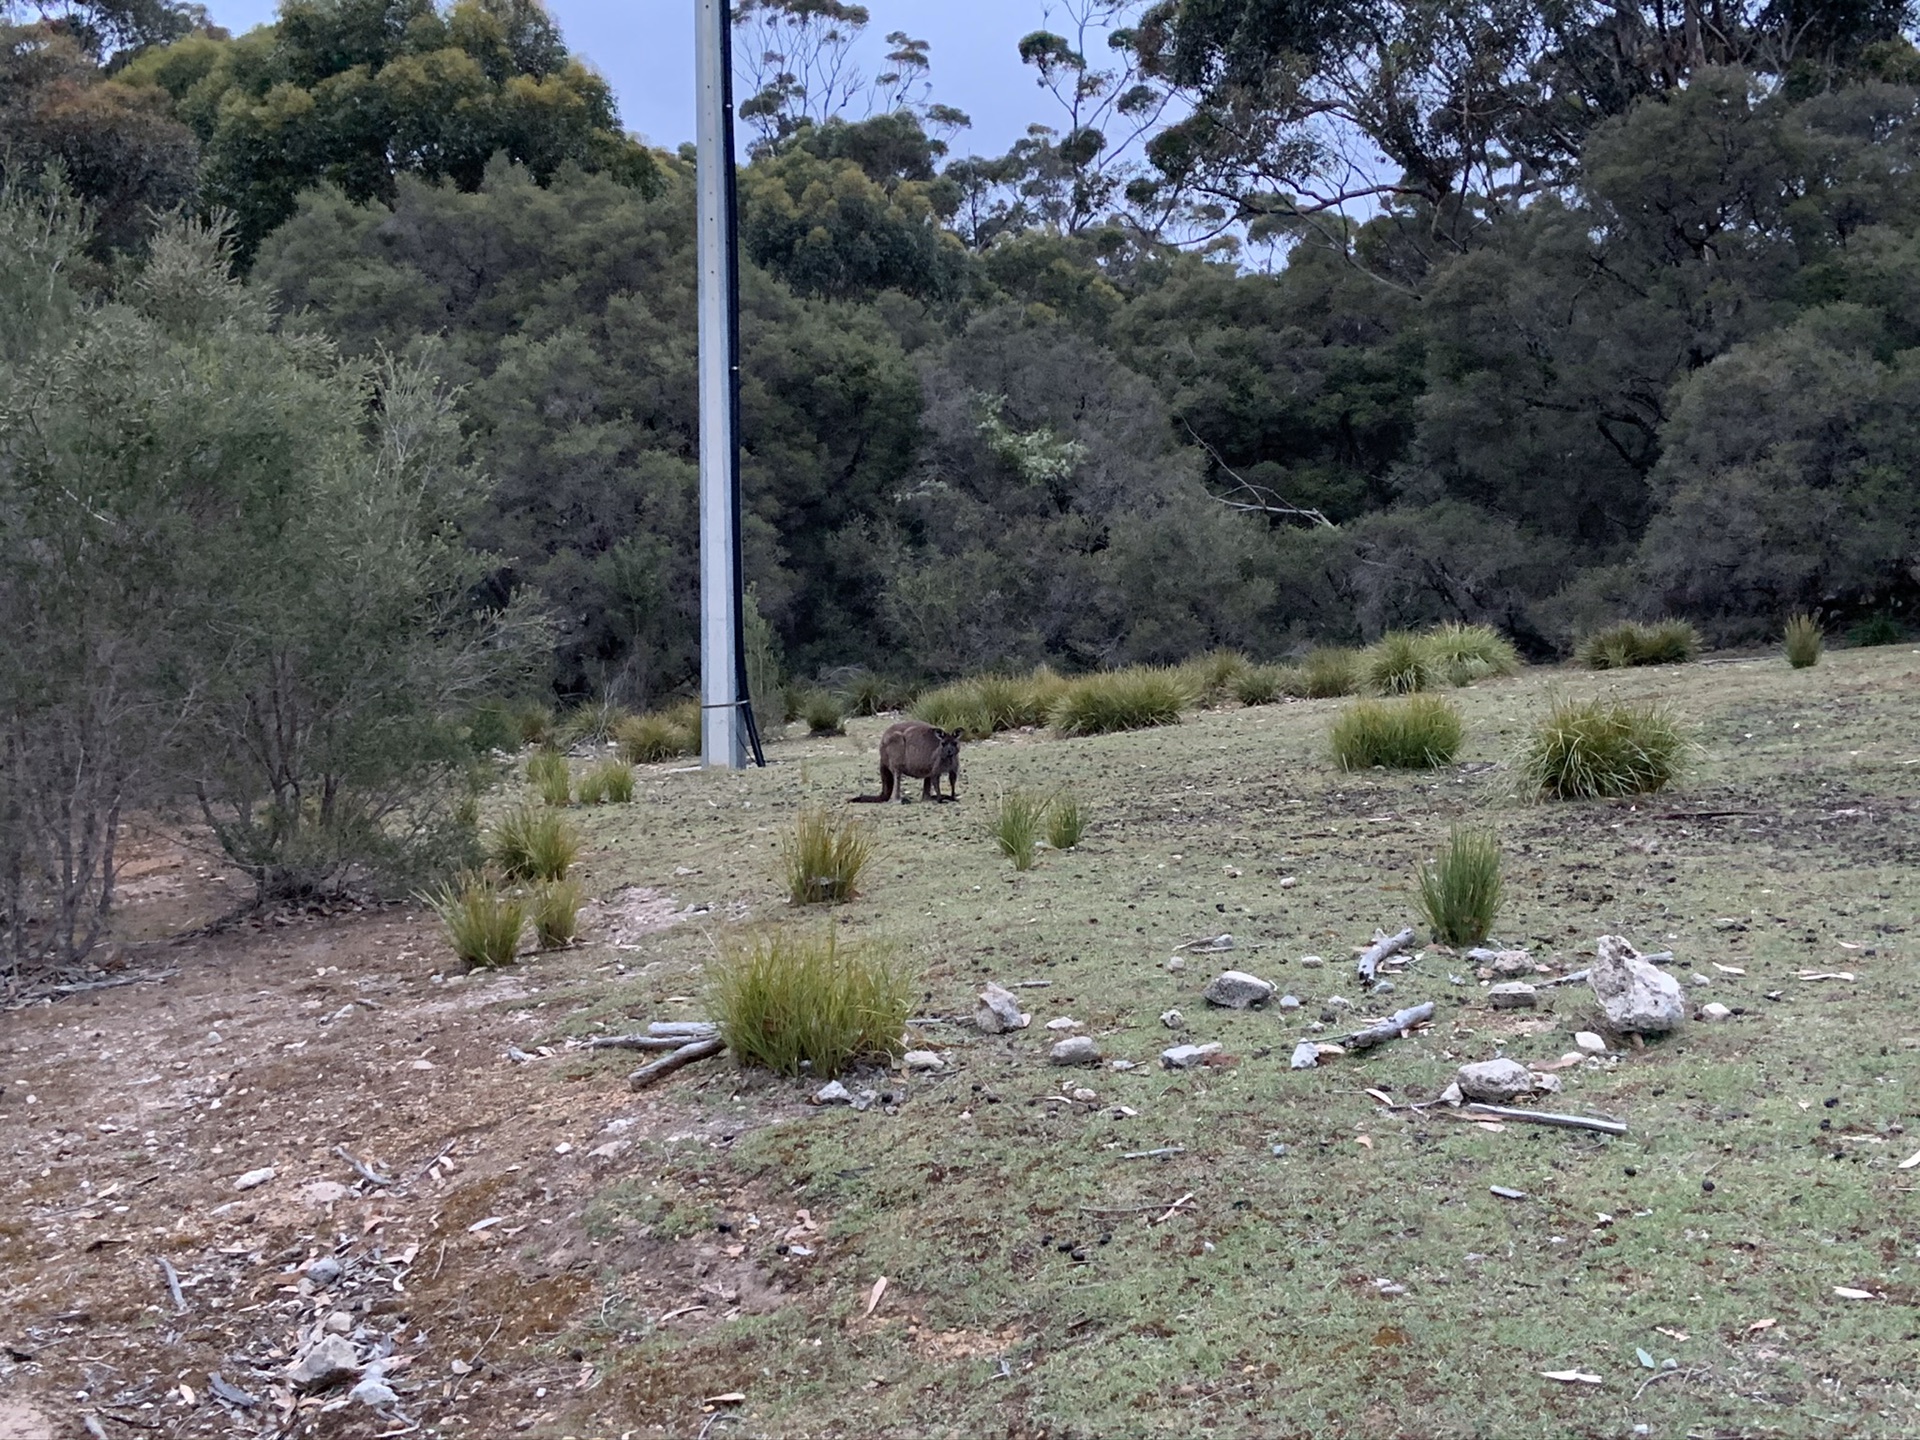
(1655, 1379)
(1383, 948)
(173, 1285)
(1155, 1154)
(1550, 1117)
(364, 1171)
(1130, 1209)
(667, 1064)
(638, 1042)
(1390, 1028)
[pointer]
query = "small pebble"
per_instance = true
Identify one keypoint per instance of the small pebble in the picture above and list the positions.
(1311, 962)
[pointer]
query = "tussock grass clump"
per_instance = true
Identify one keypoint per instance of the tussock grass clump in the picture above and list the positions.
(869, 694)
(1015, 827)
(482, 924)
(535, 723)
(1328, 672)
(1876, 630)
(1804, 642)
(659, 735)
(530, 844)
(1212, 677)
(1401, 663)
(1130, 699)
(609, 781)
(1415, 733)
(1264, 684)
(790, 1002)
(547, 773)
(1466, 653)
(1066, 821)
(960, 707)
(592, 723)
(555, 913)
(1460, 888)
(1671, 642)
(823, 856)
(823, 714)
(1592, 749)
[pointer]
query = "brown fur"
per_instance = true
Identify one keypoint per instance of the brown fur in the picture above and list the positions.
(913, 748)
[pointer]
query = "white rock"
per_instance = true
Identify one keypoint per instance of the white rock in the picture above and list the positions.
(1063, 1023)
(1715, 1011)
(833, 1093)
(612, 1150)
(1185, 1057)
(1513, 995)
(1591, 1043)
(1311, 962)
(1639, 998)
(330, 1360)
(999, 1012)
(1080, 1050)
(1237, 990)
(373, 1392)
(1546, 1083)
(1503, 962)
(1176, 964)
(922, 1060)
(1495, 1081)
(253, 1179)
(1451, 1095)
(1289, 1002)
(1173, 1020)
(323, 1192)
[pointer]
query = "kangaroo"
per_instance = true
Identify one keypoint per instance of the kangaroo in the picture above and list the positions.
(913, 748)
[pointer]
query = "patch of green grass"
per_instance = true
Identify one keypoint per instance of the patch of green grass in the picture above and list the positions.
(555, 913)
(1329, 672)
(1066, 821)
(532, 844)
(1131, 699)
(1264, 684)
(1670, 642)
(611, 781)
(1593, 749)
(1400, 663)
(547, 773)
(823, 856)
(659, 735)
(1417, 732)
(1804, 642)
(653, 1209)
(481, 923)
(791, 1000)
(1460, 889)
(1464, 654)
(1015, 826)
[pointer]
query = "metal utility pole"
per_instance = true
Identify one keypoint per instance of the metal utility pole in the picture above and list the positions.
(726, 718)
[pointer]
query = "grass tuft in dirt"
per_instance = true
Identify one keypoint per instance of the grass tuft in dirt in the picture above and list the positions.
(1593, 749)
(1670, 642)
(1114, 700)
(659, 735)
(555, 913)
(1466, 653)
(1066, 821)
(1418, 732)
(1804, 642)
(1015, 826)
(823, 714)
(547, 773)
(1460, 888)
(823, 857)
(611, 781)
(1399, 663)
(1264, 684)
(531, 844)
(1329, 672)
(482, 924)
(592, 723)
(789, 1002)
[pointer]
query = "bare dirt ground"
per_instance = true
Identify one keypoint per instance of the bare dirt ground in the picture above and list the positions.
(532, 1249)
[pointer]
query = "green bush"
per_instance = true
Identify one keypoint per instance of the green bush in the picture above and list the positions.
(1671, 642)
(1804, 642)
(1015, 827)
(1066, 822)
(1129, 699)
(1418, 732)
(548, 774)
(823, 857)
(1460, 889)
(1400, 663)
(530, 844)
(556, 913)
(481, 923)
(492, 726)
(791, 1003)
(1264, 684)
(823, 714)
(1466, 653)
(1590, 749)
(611, 780)
(1876, 630)
(1329, 672)
(659, 735)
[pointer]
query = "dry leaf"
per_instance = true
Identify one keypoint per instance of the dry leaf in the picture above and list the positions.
(186, 1394)
(486, 1224)
(1380, 1095)
(1366, 1140)
(1757, 1326)
(1572, 1377)
(1329, 1048)
(1679, 1335)
(873, 1296)
(1848, 1293)
(1826, 975)
(1493, 1125)
(732, 1397)
(459, 1367)
(1728, 969)
(1846, 945)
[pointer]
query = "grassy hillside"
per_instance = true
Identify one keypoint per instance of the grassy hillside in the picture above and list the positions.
(1362, 1281)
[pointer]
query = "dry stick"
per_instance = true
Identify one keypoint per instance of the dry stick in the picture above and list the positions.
(173, 1285)
(1578, 977)
(361, 1168)
(1549, 1117)
(1130, 1209)
(1391, 1027)
(1155, 1154)
(690, 1029)
(640, 1042)
(1383, 948)
(667, 1064)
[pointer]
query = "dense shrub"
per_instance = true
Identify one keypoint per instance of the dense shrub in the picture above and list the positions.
(869, 694)
(791, 1003)
(823, 714)
(1876, 630)
(1589, 749)
(1214, 676)
(1418, 732)
(1460, 888)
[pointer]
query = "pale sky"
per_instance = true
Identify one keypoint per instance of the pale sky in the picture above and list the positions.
(645, 50)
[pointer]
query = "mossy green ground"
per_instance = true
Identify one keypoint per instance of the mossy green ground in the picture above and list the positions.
(1365, 1282)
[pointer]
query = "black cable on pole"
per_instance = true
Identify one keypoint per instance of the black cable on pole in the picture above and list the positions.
(730, 272)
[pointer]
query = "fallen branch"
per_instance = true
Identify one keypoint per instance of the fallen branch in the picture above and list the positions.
(1549, 1117)
(667, 1064)
(1578, 977)
(173, 1286)
(640, 1042)
(1384, 947)
(689, 1029)
(1390, 1028)
(1155, 1154)
(362, 1169)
